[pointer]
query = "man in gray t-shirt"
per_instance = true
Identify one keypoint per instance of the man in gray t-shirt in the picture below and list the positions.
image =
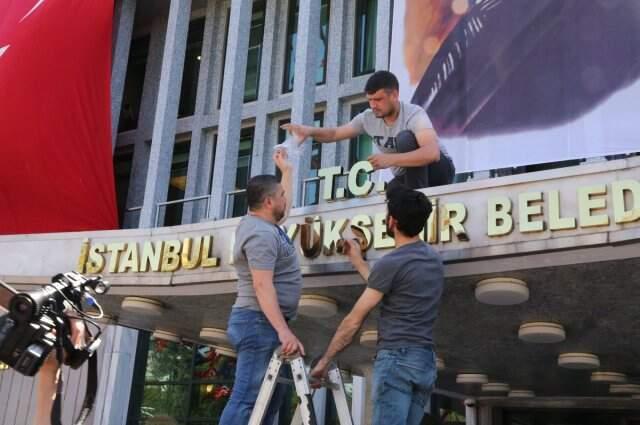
(269, 285)
(409, 283)
(402, 133)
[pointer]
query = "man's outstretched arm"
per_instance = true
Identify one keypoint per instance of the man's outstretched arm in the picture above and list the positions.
(321, 134)
(347, 329)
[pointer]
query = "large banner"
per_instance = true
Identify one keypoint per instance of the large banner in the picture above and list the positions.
(56, 171)
(515, 82)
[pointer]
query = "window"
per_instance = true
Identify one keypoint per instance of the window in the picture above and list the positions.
(134, 82)
(312, 188)
(224, 57)
(191, 71)
(122, 162)
(282, 136)
(364, 59)
(239, 200)
(361, 147)
(188, 384)
(254, 55)
(292, 30)
(177, 183)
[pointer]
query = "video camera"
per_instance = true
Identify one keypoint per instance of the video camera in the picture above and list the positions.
(38, 321)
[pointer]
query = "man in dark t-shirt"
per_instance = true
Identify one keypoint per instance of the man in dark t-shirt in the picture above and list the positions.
(409, 283)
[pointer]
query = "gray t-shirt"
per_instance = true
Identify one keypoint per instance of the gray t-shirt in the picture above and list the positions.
(411, 117)
(411, 278)
(261, 245)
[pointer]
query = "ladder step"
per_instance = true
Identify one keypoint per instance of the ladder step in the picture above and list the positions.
(305, 413)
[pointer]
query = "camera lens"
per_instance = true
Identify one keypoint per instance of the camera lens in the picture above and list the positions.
(21, 308)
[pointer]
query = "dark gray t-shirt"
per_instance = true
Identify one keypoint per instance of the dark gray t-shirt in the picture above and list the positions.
(411, 278)
(411, 117)
(261, 245)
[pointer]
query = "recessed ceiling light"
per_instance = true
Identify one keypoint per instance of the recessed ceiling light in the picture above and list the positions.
(317, 306)
(608, 377)
(502, 291)
(521, 393)
(495, 387)
(225, 351)
(541, 332)
(215, 335)
(440, 364)
(472, 378)
(578, 361)
(624, 389)
(140, 305)
(369, 339)
(168, 336)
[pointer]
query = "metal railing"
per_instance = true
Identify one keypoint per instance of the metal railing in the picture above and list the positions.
(159, 205)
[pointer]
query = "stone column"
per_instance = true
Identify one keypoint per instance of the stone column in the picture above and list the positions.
(192, 212)
(112, 404)
(164, 126)
(123, 18)
(383, 34)
(145, 120)
(335, 58)
(320, 405)
(304, 85)
(263, 142)
(361, 406)
(230, 122)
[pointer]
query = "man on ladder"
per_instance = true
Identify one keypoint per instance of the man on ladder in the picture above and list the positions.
(269, 286)
(409, 282)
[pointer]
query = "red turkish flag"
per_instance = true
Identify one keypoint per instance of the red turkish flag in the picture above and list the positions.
(56, 171)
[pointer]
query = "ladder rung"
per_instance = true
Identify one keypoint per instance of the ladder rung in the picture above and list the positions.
(303, 388)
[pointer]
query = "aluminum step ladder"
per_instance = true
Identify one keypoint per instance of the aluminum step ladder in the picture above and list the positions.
(304, 414)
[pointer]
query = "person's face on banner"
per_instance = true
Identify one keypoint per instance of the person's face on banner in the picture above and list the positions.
(383, 103)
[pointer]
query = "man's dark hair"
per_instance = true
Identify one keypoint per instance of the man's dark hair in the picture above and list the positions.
(381, 80)
(409, 207)
(259, 188)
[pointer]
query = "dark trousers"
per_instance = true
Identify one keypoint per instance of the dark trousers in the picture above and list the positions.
(430, 175)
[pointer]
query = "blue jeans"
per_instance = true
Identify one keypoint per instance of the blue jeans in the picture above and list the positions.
(403, 380)
(254, 339)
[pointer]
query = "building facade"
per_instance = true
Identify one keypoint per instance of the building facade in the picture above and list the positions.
(200, 89)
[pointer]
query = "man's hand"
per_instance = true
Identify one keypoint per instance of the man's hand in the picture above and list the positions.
(290, 344)
(281, 158)
(300, 132)
(381, 160)
(319, 372)
(352, 251)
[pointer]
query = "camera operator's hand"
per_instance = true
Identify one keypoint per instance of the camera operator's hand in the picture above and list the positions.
(49, 375)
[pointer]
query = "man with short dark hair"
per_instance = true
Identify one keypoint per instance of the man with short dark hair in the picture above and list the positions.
(409, 282)
(402, 133)
(269, 285)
